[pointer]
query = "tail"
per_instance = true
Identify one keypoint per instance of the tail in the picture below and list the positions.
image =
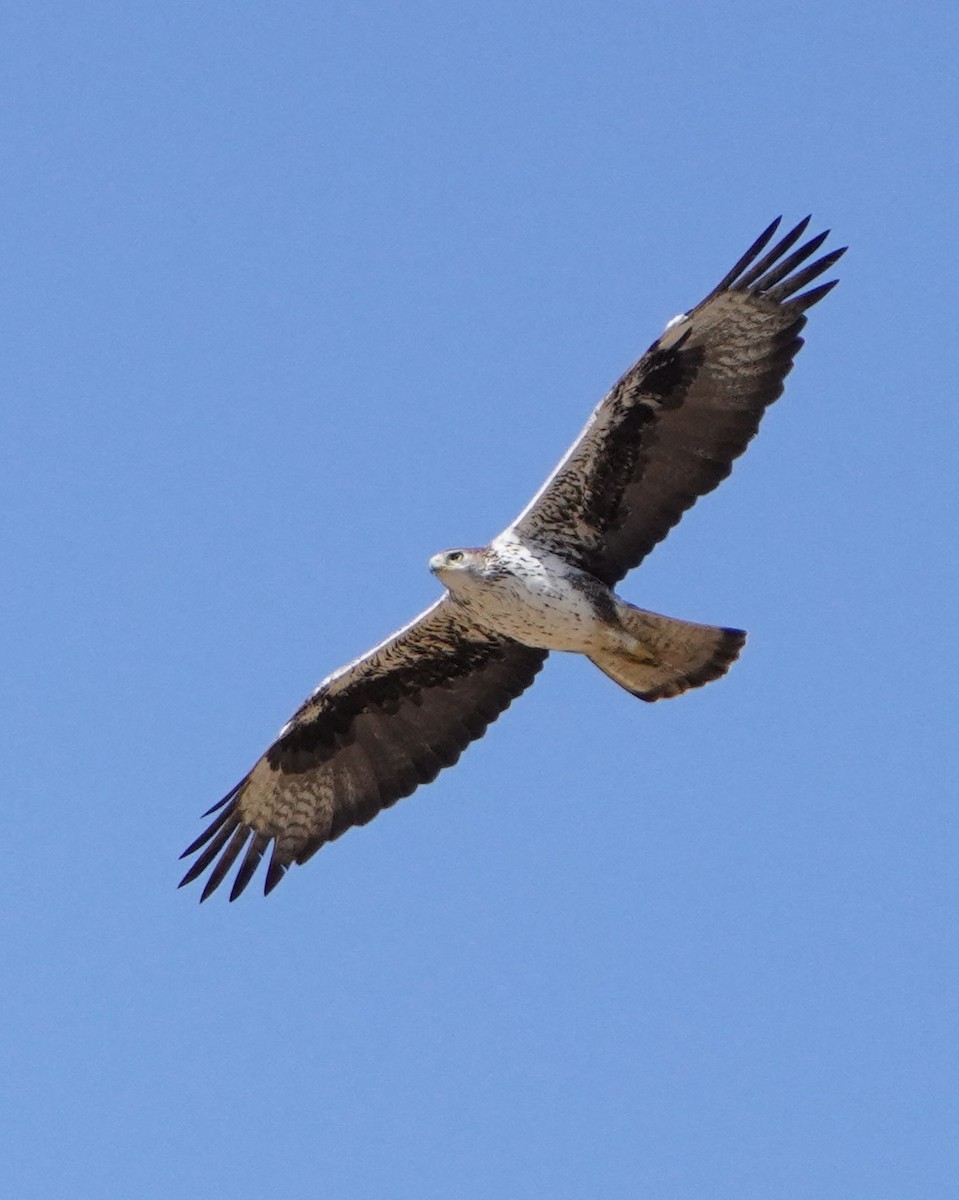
(661, 657)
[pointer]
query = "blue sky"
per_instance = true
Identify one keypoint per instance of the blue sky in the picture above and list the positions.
(293, 296)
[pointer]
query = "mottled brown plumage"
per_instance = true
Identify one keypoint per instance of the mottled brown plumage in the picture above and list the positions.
(667, 433)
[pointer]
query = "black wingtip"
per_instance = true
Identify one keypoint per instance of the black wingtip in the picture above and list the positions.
(761, 265)
(219, 804)
(249, 864)
(773, 272)
(813, 296)
(188, 877)
(758, 246)
(211, 885)
(275, 873)
(790, 284)
(783, 271)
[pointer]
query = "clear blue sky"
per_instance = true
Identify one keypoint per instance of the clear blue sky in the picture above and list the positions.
(296, 294)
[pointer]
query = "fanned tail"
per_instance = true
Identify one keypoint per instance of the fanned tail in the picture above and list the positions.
(662, 657)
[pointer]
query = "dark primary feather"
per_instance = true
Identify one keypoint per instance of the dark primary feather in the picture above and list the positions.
(368, 736)
(670, 429)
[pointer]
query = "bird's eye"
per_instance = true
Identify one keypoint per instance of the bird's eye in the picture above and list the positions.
(454, 556)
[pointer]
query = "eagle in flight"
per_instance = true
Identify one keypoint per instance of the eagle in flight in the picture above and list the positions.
(666, 433)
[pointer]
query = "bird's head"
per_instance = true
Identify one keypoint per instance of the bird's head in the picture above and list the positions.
(455, 567)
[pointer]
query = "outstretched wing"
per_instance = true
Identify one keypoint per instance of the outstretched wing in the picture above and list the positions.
(669, 430)
(370, 734)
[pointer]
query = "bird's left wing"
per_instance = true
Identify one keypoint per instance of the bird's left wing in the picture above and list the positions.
(669, 430)
(370, 734)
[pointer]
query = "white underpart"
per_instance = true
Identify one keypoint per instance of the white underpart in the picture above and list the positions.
(671, 324)
(535, 603)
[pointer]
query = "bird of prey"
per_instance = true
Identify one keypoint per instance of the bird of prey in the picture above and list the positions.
(665, 434)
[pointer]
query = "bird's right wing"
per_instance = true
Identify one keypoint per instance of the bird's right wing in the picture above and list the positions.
(669, 430)
(370, 734)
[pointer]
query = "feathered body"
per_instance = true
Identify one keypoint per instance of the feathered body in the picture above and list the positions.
(528, 594)
(667, 433)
